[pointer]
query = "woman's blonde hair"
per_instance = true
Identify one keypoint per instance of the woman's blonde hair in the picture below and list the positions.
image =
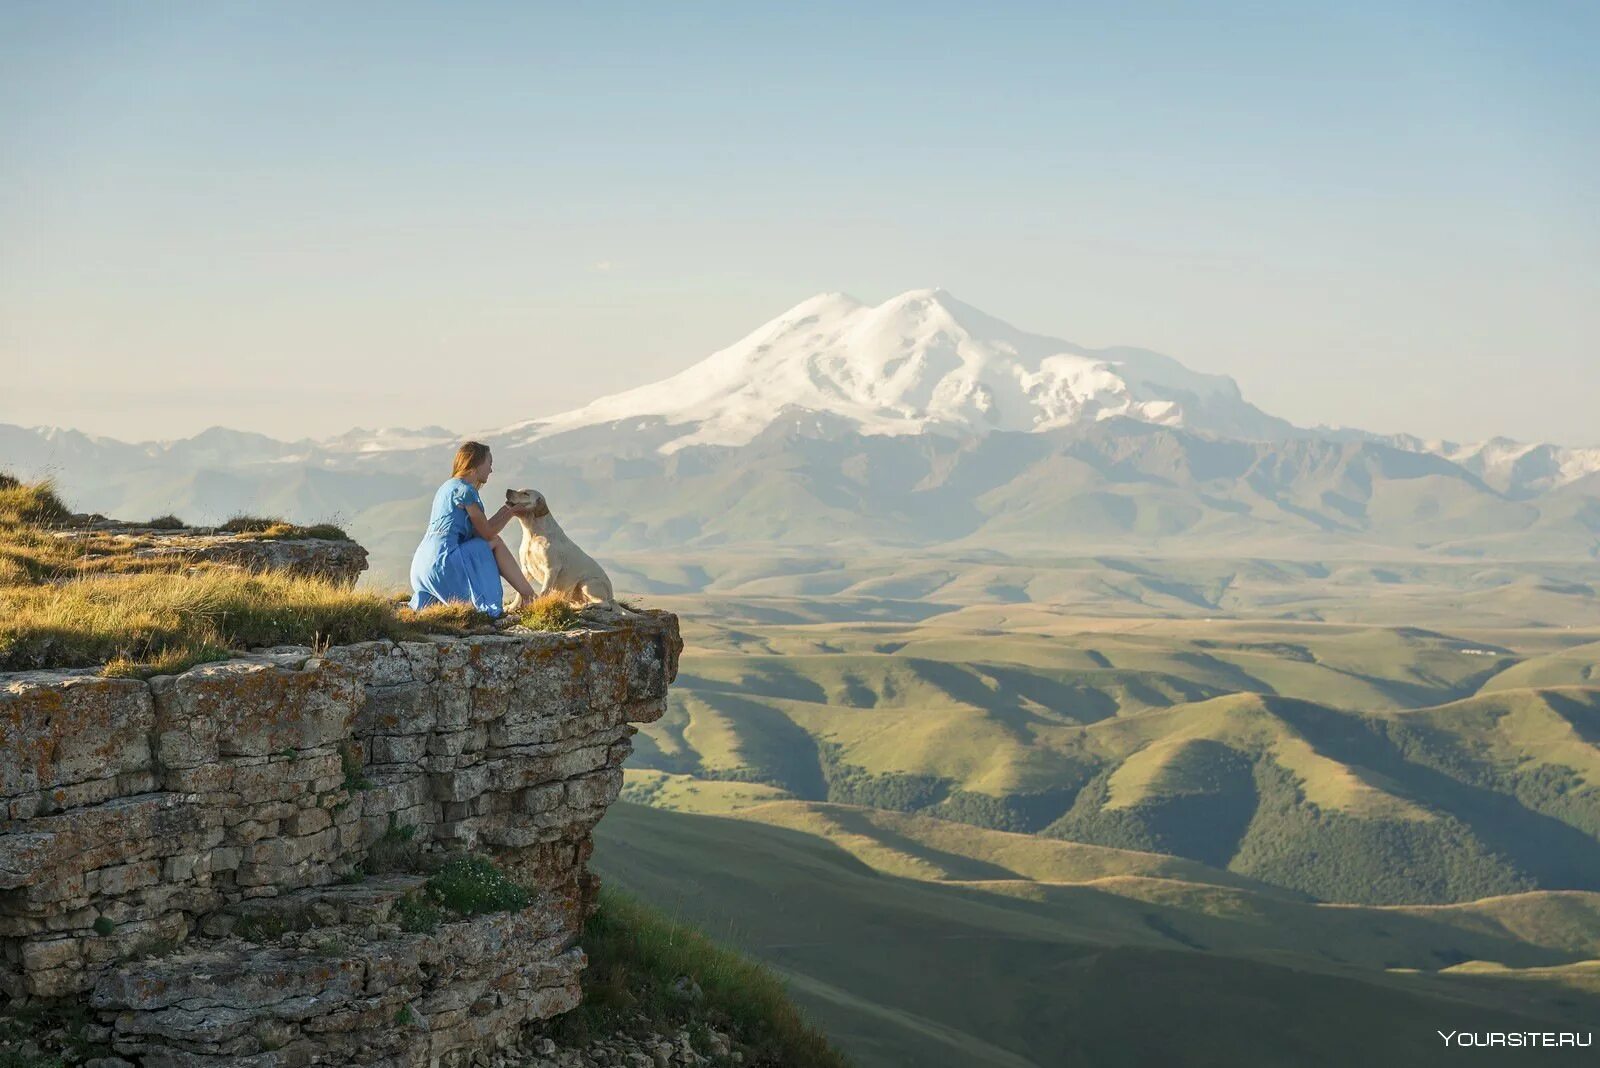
(470, 455)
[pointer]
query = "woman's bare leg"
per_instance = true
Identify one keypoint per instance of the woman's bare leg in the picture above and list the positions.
(511, 570)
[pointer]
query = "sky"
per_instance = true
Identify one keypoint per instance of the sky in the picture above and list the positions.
(297, 218)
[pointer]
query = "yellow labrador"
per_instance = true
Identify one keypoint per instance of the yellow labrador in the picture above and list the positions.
(550, 559)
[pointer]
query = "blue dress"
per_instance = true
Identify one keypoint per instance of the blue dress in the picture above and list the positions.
(454, 563)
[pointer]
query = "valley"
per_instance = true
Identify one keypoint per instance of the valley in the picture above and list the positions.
(1156, 793)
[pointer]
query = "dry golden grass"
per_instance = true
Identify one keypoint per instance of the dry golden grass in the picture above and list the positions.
(33, 503)
(262, 527)
(316, 532)
(87, 601)
(550, 612)
(456, 617)
(28, 551)
(146, 624)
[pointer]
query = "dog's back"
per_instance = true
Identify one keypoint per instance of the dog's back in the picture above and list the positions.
(573, 572)
(553, 561)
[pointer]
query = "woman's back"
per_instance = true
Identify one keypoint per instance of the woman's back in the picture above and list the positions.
(449, 516)
(453, 563)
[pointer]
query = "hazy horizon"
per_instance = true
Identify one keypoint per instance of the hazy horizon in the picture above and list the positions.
(295, 220)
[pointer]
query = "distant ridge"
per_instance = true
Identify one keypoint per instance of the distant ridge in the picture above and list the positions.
(919, 421)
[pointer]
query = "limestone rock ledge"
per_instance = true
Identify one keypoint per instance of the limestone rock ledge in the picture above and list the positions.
(188, 854)
(337, 561)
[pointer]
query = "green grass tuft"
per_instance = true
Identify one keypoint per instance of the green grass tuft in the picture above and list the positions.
(636, 954)
(416, 914)
(463, 886)
(355, 776)
(260, 928)
(395, 850)
(472, 886)
(60, 1030)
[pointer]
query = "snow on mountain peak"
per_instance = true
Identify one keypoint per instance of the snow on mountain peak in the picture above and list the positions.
(920, 361)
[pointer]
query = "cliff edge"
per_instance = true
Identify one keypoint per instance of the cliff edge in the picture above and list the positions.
(368, 854)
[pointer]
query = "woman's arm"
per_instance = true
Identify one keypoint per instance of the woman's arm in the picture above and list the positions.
(488, 527)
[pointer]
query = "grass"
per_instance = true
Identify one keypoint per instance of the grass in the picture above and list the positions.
(636, 954)
(462, 887)
(395, 849)
(140, 625)
(249, 524)
(36, 503)
(260, 928)
(263, 527)
(416, 914)
(472, 886)
(355, 777)
(550, 612)
(89, 601)
(27, 551)
(47, 1035)
(1161, 736)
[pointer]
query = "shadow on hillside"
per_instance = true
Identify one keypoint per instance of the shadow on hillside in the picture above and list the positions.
(903, 972)
(1554, 853)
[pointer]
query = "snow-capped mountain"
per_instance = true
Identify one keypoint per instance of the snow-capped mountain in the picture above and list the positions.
(919, 421)
(388, 439)
(1517, 468)
(922, 361)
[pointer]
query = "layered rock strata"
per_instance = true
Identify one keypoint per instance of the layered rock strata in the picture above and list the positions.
(217, 862)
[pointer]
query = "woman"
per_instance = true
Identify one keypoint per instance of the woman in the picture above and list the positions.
(462, 556)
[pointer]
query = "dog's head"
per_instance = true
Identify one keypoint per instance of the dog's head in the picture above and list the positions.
(522, 498)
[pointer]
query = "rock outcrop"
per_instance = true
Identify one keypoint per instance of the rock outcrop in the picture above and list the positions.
(125, 545)
(225, 864)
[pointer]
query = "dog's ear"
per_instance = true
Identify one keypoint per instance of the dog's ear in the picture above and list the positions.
(540, 508)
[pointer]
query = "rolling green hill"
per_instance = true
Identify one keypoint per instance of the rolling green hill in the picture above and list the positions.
(1010, 811)
(1346, 762)
(1011, 950)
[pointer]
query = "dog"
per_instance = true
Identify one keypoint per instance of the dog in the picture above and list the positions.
(551, 560)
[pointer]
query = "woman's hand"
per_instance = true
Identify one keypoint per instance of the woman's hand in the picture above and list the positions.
(488, 527)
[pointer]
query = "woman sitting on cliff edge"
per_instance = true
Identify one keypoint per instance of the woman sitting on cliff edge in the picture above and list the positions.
(462, 556)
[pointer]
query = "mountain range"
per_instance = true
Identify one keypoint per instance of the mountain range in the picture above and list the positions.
(919, 421)
(1050, 690)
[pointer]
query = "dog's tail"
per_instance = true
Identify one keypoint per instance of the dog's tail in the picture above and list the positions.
(617, 603)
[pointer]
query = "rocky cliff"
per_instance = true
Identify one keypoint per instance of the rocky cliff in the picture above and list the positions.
(242, 864)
